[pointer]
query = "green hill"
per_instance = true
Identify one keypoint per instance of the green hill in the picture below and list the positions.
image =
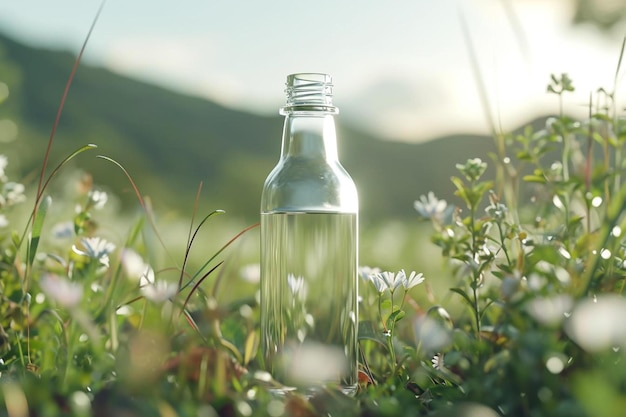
(170, 142)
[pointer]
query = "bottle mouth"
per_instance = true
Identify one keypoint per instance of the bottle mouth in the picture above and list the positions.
(309, 92)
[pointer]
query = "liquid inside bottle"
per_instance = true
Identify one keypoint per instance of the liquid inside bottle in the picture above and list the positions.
(309, 330)
(309, 245)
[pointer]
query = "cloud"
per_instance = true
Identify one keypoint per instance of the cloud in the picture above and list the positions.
(399, 105)
(188, 63)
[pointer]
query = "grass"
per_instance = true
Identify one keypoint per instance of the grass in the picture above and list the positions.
(520, 314)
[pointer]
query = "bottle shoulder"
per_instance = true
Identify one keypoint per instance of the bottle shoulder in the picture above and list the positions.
(300, 183)
(295, 169)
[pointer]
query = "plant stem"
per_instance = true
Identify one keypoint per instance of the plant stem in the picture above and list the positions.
(69, 329)
(503, 245)
(392, 351)
(476, 273)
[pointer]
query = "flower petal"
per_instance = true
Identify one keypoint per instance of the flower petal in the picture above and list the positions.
(413, 280)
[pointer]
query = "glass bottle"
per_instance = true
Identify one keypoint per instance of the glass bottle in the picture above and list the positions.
(309, 248)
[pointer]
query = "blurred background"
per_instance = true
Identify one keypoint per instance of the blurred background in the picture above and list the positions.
(186, 92)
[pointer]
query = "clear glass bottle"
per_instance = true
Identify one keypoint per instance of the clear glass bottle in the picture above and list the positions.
(309, 248)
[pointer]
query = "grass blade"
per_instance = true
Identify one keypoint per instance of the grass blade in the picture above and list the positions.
(619, 64)
(189, 236)
(517, 28)
(141, 200)
(190, 243)
(226, 245)
(37, 226)
(251, 346)
(197, 284)
(38, 201)
(480, 84)
(44, 165)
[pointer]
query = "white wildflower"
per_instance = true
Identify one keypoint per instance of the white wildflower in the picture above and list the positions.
(98, 198)
(365, 272)
(66, 293)
(380, 285)
(431, 207)
(4, 222)
(596, 324)
(497, 211)
(312, 364)
(251, 273)
(4, 161)
(63, 230)
(147, 276)
(391, 279)
(550, 311)
(412, 280)
(95, 248)
(14, 193)
(135, 268)
(297, 286)
(430, 334)
(159, 291)
(438, 362)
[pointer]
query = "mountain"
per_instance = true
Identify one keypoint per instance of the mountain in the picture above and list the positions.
(170, 142)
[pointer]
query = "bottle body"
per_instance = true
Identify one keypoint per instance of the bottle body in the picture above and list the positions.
(309, 258)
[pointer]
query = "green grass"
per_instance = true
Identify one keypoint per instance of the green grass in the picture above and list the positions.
(106, 312)
(110, 312)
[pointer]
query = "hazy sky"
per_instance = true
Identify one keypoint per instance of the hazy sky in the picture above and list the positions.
(400, 67)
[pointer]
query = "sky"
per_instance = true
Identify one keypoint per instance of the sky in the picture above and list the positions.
(401, 69)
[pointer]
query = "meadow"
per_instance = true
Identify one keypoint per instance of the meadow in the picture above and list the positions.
(507, 302)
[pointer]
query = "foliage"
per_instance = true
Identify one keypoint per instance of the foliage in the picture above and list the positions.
(98, 321)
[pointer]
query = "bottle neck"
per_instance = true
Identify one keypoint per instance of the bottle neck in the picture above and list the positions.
(309, 135)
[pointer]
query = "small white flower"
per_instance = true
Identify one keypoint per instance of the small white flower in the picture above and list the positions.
(438, 362)
(431, 207)
(159, 291)
(387, 280)
(412, 280)
(297, 286)
(380, 285)
(312, 363)
(394, 280)
(14, 193)
(251, 273)
(596, 324)
(63, 230)
(147, 276)
(95, 248)
(135, 269)
(365, 272)
(4, 161)
(431, 335)
(497, 211)
(550, 311)
(4, 222)
(98, 198)
(66, 293)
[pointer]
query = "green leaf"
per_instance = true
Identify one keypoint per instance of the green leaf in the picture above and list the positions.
(251, 347)
(463, 294)
(367, 331)
(396, 316)
(575, 221)
(37, 226)
(535, 178)
(498, 360)
(81, 221)
(461, 189)
(15, 239)
(482, 187)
